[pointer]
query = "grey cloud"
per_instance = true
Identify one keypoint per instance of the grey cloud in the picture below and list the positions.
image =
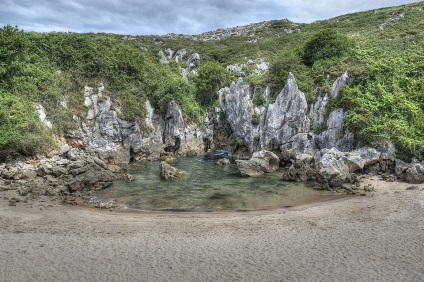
(168, 16)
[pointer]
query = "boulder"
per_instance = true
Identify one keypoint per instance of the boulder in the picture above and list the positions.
(260, 163)
(223, 162)
(302, 166)
(410, 173)
(361, 158)
(331, 169)
(169, 172)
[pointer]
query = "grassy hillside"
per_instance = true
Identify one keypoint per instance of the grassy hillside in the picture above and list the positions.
(381, 49)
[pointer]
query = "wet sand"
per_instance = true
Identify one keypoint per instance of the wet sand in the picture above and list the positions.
(377, 237)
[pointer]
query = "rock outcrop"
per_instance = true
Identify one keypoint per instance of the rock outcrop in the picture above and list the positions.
(410, 172)
(260, 163)
(284, 123)
(57, 176)
(117, 141)
(286, 118)
(334, 135)
(169, 172)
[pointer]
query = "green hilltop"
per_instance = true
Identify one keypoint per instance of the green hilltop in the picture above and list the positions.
(382, 50)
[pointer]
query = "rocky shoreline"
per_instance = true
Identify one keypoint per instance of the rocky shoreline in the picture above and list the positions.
(73, 176)
(309, 141)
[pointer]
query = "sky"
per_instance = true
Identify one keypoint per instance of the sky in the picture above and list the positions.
(159, 17)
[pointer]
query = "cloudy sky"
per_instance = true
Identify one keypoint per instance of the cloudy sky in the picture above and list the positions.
(142, 17)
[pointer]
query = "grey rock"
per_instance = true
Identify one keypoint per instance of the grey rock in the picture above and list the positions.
(64, 149)
(302, 166)
(286, 117)
(318, 111)
(361, 158)
(340, 82)
(179, 55)
(223, 162)
(260, 163)
(162, 57)
(193, 61)
(332, 169)
(174, 122)
(238, 108)
(411, 173)
(414, 174)
(169, 172)
(335, 135)
(302, 142)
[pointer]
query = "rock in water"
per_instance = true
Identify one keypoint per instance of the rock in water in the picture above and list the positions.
(223, 161)
(260, 163)
(169, 172)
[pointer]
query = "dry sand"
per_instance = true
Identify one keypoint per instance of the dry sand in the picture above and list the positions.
(378, 237)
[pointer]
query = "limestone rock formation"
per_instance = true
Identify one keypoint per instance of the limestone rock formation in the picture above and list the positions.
(169, 172)
(260, 163)
(238, 108)
(335, 135)
(162, 57)
(287, 117)
(193, 61)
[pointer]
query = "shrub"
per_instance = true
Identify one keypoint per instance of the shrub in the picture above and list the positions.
(210, 78)
(325, 44)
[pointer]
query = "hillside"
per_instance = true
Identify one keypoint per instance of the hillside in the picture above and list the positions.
(382, 50)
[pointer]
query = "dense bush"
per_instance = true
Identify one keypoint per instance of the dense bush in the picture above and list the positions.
(325, 44)
(210, 78)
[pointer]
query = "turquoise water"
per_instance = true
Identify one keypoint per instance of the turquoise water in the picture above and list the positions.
(210, 187)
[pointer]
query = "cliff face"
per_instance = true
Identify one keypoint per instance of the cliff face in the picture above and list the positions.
(284, 125)
(118, 141)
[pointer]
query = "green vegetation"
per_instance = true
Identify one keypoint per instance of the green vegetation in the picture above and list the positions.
(384, 59)
(256, 118)
(325, 44)
(387, 103)
(210, 78)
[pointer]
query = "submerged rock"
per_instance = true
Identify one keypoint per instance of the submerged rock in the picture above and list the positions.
(260, 163)
(223, 161)
(169, 172)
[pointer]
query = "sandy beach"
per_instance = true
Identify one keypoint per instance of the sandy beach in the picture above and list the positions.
(377, 237)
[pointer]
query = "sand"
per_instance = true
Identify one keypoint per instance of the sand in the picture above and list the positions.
(377, 237)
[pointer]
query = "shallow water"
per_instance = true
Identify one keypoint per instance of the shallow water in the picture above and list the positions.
(210, 187)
